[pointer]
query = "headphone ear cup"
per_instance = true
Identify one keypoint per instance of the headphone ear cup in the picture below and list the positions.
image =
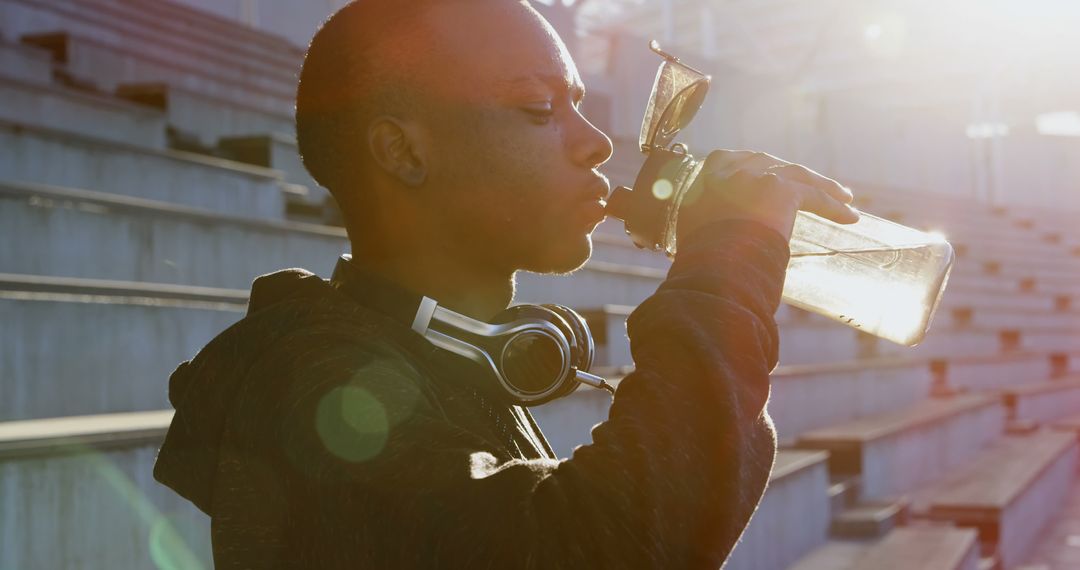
(580, 337)
(582, 348)
(535, 369)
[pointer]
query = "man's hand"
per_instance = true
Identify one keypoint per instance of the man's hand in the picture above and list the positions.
(761, 187)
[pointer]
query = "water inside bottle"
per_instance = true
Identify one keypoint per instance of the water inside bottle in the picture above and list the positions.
(890, 292)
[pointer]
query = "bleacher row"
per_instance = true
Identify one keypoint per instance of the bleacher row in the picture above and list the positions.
(149, 173)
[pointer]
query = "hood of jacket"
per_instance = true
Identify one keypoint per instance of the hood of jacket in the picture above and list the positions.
(204, 390)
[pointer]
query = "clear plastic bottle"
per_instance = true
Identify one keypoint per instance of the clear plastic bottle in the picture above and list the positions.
(875, 275)
(880, 277)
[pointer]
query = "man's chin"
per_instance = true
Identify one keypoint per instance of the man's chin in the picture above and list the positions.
(563, 260)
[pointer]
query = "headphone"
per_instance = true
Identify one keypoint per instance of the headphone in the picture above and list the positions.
(536, 353)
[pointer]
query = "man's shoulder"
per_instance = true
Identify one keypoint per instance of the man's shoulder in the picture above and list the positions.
(305, 354)
(334, 334)
(314, 334)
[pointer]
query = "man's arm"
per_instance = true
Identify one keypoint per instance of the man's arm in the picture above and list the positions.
(670, 479)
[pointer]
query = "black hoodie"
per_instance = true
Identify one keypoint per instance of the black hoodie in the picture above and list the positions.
(321, 432)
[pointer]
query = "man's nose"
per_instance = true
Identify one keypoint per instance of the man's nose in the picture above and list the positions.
(590, 146)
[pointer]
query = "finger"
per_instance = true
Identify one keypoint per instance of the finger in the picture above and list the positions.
(818, 201)
(724, 162)
(800, 173)
(760, 161)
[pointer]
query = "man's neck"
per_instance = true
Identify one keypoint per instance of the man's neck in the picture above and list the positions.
(459, 286)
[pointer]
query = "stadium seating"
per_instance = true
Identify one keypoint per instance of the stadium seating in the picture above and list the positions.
(205, 118)
(51, 157)
(25, 63)
(151, 173)
(81, 112)
(79, 493)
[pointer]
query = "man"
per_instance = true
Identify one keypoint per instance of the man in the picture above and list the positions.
(321, 432)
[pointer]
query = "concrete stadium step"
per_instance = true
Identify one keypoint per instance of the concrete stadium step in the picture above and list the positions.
(1042, 251)
(204, 117)
(1070, 423)
(988, 246)
(1023, 285)
(81, 113)
(109, 66)
(73, 434)
(843, 493)
(795, 507)
(25, 63)
(88, 18)
(120, 342)
(1012, 244)
(973, 294)
(1001, 371)
(186, 28)
(907, 548)
(1061, 274)
(189, 25)
(277, 150)
(947, 340)
(1064, 287)
(1008, 493)
(865, 520)
(1013, 279)
(64, 477)
(44, 156)
(803, 397)
(1056, 545)
(1043, 403)
(306, 200)
(79, 233)
(1037, 256)
(1006, 318)
(894, 452)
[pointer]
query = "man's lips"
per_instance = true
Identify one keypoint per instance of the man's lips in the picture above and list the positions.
(593, 211)
(590, 209)
(598, 190)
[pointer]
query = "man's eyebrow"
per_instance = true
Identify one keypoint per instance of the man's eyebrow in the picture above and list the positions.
(557, 82)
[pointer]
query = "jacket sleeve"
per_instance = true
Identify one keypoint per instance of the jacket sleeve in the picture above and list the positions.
(670, 480)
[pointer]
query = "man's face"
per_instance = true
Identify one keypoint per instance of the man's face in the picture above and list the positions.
(512, 172)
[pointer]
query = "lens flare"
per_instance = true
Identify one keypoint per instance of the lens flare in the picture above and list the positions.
(352, 424)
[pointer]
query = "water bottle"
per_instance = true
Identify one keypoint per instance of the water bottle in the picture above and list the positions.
(880, 277)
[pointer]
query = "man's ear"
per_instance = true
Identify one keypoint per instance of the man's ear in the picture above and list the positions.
(397, 149)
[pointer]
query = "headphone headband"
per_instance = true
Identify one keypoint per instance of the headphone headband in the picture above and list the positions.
(536, 353)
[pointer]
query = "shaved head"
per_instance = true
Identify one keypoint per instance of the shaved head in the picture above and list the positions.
(371, 57)
(452, 128)
(347, 76)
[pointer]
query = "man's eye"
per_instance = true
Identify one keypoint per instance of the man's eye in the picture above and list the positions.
(540, 114)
